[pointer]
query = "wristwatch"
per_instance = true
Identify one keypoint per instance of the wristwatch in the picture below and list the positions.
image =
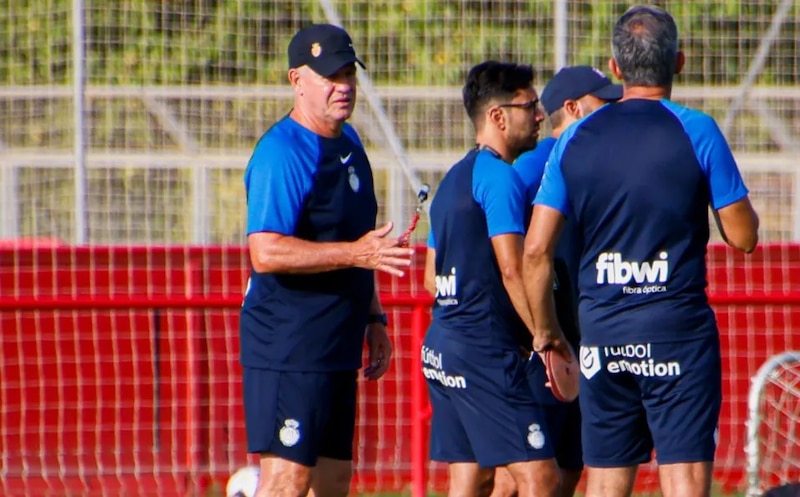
(378, 318)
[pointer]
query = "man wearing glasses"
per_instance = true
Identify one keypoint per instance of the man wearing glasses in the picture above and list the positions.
(572, 94)
(484, 412)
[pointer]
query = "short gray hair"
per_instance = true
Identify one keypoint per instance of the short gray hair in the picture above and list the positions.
(645, 46)
(557, 117)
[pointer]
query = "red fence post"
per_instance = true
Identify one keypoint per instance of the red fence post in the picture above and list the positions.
(193, 285)
(419, 406)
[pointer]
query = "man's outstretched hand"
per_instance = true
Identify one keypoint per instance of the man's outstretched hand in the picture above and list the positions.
(375, 250)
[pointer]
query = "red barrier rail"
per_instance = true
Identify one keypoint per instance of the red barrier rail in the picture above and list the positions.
(152, 286)
(229, 302)
(418, 304)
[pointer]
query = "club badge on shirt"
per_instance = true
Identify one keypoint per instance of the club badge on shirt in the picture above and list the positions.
(355, 183)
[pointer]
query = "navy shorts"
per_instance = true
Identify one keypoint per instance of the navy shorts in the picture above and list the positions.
(483, 407)
(563, 418)
(300, 416)
(639, 397)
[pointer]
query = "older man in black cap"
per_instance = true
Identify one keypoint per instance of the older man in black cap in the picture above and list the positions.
(311, 300)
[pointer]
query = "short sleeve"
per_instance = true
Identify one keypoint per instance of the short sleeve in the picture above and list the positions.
(277, 180)
(553, 189)
(714, 155)
(530, 167)
(499, 191)
(431, 243)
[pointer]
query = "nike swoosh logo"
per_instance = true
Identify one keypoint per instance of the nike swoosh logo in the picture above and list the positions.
(345, 159)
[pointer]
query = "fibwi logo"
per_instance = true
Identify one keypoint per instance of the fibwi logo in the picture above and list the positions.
(447, 288)
(612, 270)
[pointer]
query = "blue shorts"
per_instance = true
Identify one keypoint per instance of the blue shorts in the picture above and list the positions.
(563, 418)
(300, 416)
(639, 397)
(483, 407)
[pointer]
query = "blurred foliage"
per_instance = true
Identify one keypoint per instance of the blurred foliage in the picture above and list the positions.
(187, 42)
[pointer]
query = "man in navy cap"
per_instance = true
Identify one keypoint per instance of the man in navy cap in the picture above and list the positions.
(574, 92)
(311, 300)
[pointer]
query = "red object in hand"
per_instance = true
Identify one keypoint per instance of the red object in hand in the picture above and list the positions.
(562, 375)
(422, 196)
(406, 236)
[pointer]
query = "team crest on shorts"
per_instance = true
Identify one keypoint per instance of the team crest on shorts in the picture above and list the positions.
(290, 433)
(535, 436)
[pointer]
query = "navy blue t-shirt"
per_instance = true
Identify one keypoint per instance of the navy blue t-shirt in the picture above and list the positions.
(638, 177)
(318, 189)
(480, 197)
(530, 167)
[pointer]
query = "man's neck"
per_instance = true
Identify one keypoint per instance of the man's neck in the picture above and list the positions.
(496, 145)
(327, 129)
(646, 92)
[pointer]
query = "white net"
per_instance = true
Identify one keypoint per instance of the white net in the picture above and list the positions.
(178, 93)
(774, 424)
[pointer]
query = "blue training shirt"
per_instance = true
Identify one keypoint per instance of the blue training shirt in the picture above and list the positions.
(318, 189)
(530, 167)
(638, 177)
(480, 197)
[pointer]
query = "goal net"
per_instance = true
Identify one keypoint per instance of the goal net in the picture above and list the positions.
(773, 424)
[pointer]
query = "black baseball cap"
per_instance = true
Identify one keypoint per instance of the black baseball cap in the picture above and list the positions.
(571, 83)
(325, 48)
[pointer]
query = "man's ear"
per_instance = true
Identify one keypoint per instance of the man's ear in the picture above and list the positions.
(614, 68)
(496, 117)
(294, 79)
(680, 60)
(571, 107)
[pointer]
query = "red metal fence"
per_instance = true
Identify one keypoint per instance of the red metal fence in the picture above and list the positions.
(120, 370)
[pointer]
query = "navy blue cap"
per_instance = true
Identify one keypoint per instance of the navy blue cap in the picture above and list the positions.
(571, 83)
(325, 48)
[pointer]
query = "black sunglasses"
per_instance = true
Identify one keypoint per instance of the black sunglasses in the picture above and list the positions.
(527, 105)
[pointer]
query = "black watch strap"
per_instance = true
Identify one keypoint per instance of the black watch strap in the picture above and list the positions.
(378, 318)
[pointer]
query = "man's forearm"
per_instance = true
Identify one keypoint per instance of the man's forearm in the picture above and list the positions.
(288, 254)
(516, 293)
(538, 278)
(375, 306)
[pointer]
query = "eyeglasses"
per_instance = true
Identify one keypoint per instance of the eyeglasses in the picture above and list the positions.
(531, 105)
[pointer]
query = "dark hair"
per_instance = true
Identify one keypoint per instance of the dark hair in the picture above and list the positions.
(492, 80)
(645, 46)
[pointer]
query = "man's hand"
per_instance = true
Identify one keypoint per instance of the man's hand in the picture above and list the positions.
(380, 351)
(552, 339)
(375, 251)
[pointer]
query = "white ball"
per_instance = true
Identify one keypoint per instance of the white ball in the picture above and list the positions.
(243, 482)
